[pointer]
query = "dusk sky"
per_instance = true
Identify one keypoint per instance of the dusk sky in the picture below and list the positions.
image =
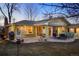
(20, 15)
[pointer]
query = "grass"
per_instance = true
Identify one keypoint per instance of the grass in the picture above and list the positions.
(41, 49)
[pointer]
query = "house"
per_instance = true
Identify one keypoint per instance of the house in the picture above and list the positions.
(46, 27)
(26, 27)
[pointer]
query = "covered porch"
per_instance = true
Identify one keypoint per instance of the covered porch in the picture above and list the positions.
(57, 30)
(43, 30)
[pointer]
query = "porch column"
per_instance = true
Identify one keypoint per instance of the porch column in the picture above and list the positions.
(36, 30)
(75, 30)
(68, 29)
(51, 31)
(47, 31)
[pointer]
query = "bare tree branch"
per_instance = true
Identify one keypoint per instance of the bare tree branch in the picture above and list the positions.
(2, 12)
(62, 5)
(10, 8)
(71, 8)
(31, 11)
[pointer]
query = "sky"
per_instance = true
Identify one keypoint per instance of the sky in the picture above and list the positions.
(21, 15)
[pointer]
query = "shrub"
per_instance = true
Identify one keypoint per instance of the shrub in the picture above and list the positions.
(69, 34)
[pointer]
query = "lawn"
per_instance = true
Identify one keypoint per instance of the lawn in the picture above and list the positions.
(41, 49)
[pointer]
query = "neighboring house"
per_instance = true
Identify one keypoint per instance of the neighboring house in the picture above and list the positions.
(47, 27)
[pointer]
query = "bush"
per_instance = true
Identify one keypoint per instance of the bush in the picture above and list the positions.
(69, 34)
(76, 36)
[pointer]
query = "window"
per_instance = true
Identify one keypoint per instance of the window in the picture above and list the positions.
(26, 29)
(72, 30)
(29, 29)
(77, 30)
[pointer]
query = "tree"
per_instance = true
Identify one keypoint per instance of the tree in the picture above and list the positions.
(72, 9)
(54, 13)
(9, 9)
(31, 11)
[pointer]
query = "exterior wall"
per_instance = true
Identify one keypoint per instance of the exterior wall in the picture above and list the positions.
(77, 33)
(58, 26)
(24, 30)
(74, 30)
(37, 30)
(58, 22)
(48, 30)
(12, 27)
(40, 29)
(61, 29)
(43, 30)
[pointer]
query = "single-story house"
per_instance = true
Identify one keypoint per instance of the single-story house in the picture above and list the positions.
(47, 27)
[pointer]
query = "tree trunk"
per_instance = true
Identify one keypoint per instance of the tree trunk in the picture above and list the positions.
(6, 26)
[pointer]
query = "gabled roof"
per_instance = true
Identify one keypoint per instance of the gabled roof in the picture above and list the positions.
(62, 18)
(73, 20)
(25, 22)
(42, 22)
(53, 23)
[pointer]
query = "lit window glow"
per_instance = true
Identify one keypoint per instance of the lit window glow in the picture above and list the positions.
(77, 30)
(71, 30)
(26, 29)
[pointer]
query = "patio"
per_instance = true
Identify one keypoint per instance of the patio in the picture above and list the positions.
(46, 39)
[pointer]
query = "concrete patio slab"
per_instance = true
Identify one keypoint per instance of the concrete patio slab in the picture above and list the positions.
(46, 39)
(37, 39)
